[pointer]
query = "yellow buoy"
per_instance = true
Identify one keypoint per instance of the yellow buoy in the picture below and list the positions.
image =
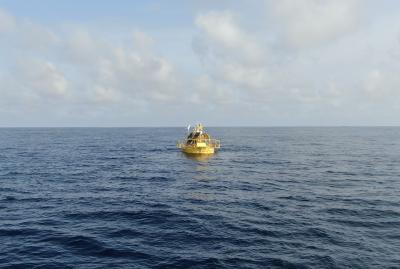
(199, 142)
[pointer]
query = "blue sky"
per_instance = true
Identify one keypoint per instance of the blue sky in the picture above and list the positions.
(171, 63)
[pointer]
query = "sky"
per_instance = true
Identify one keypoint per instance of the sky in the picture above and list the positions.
(223, 63)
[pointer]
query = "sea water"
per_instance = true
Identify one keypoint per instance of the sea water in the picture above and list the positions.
(270, 198)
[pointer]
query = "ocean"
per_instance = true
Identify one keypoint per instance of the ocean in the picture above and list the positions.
(270, 198)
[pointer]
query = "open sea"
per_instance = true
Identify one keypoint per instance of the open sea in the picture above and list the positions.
(270, 198)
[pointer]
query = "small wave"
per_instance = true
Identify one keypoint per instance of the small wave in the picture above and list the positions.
(252, 230)
(19, 232)
(12, 173)
(286, 264)
(16, 199)
(143, 216)
(253, 205)
(339, 211)
(107, 158)
(341, 173)
(89, 246)
(9, 199)
(366, 224)
(317, 232)
(156, 150)
(185, 263)
(125, 233)
(124, 178)
(295, 198)
(156, 178)
(153, 178)
(363, 213)
(36, 265)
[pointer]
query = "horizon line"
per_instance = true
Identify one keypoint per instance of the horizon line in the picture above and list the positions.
(211, 126)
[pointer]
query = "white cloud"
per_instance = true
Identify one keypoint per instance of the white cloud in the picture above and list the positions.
(308, 23)
(223, 32)
(382, 84)
(33, 36)
(332, 72)
(105, 95)
(234, 60)
(208, 94)
(141, 40)
(24, 34)
(7, 22)
(245, 76)
(314, 62)
(139, 75)
(80, 47)
(221, 27)
(41, 78)
(99, 71)
(373, 83)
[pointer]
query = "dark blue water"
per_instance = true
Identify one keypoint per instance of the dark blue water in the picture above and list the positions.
(271, 198)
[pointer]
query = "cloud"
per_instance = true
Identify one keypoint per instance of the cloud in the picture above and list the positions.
(324, 70)
(106, 95)
(235, 61)
(24, 34)
(80, 47)
(76, 74)
(207, 93)
(308, 23)
(99, 71)
(138, 75)
(222, 31)
(313, 62)
(32, 83)
(7, 22)
(382, 84)
(41, 77)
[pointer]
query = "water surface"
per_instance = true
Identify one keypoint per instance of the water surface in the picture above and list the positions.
(271, 198)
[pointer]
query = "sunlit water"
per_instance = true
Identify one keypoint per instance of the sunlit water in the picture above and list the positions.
(271, 198)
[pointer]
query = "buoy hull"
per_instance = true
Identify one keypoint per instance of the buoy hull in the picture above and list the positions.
(198, 150)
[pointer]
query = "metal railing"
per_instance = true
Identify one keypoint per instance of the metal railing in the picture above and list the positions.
(215, 143)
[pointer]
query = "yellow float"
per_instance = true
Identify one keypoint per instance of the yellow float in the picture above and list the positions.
(199, 142)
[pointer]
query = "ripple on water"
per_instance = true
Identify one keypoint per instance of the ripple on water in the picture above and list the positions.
(271, 198)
